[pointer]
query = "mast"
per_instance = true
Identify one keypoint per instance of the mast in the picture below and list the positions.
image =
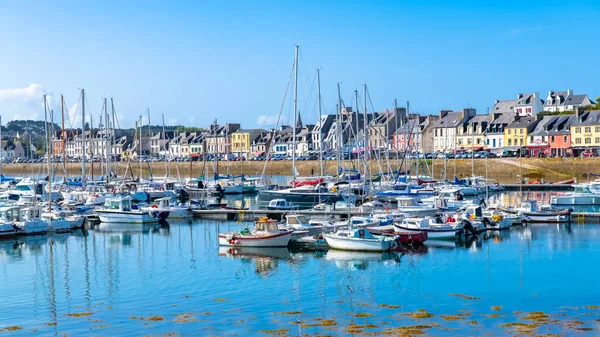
(47, 129)
(295, 117)
(140, 150)
(112, 106)
(356, 135)
(338, 131)
(397, 127)
(83, 138)
(1, 150)
(105, 138)
(320, 126)
(367, 140)
(162, 138)
(64, 138)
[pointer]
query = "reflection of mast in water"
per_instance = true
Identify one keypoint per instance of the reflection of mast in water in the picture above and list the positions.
(67, 286)
(86, 267)
(51, 285)
(192, 256)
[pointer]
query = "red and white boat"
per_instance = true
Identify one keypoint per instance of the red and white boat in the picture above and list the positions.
(266, 233)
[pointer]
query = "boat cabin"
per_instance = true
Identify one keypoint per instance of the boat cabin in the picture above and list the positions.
(164, 202)
(407, 202)
(123, 205)
(528, 206)
(419, 223)
(30, 212)
(474, 210)
(9, 214)
(268, 226)
(440, 203)
(580, 188)
(300, 220)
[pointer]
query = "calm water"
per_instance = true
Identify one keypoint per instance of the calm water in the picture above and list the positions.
(129, 280)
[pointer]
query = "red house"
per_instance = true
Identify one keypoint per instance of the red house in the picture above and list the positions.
(559, 135)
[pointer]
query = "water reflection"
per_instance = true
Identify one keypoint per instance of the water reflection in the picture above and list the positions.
(358, 260)
(266, 260)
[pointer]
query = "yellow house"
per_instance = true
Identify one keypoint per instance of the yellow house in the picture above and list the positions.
(241, 141)
(585, 131)
(516, 133)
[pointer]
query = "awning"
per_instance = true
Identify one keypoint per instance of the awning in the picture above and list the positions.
(537, 146)
(195, 154)
(258, 153)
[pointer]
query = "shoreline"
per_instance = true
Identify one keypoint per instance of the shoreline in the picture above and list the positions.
(505, 170)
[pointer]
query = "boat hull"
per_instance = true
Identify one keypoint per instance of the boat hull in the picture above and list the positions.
(361, 245)
(303, 200)
(126, 217)
(575, 200)
(237, 240)
(432, 234)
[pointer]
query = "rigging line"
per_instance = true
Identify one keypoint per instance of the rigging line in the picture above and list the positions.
(272, 142)
(310, 94)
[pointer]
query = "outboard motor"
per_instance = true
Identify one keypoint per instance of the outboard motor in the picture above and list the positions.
(468, 227)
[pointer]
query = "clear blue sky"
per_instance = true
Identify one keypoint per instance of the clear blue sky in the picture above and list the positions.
(195, 61)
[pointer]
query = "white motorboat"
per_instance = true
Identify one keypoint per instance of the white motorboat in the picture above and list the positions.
(26, 221)
(448, 199)
(488, 219)
(411, 206)
(531, 213)
(164, 206)
(301, 223)
(281, 205)
(434, 229)
(74, 221)
(581, 196)
(266, 233)
(359, 239)
(358, 222)
(120, 210)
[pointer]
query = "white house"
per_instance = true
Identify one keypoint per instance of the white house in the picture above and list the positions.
(529, 105)
(558, 101)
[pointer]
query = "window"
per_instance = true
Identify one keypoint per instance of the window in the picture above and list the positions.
(577, 130)
(588, 140)
(509, 131)
(588, 129)
(529, 110)
(519, 110)
(531, 139)
(521, 141)
(597, 140)
(552, 139)
(521, 131)
(577, 140)
(509, 142)
(565, 139)
(597, 129)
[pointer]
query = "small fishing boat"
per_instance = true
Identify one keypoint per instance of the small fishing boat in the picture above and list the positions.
(358, 222)
(7, 231)
(581, 196)
(488, 219)
(401, 237)
(411, 206)
(300, 223)
(435, 229)
(121, 210)
(26, 221)
(54, 215)
(531, 213)
(281, 205)
(359, 239)
(266, 233)
(163, 205)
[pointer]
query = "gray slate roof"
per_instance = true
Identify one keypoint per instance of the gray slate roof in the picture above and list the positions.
(451, 120)
(588, 118)
(505, 106)
(524, 122)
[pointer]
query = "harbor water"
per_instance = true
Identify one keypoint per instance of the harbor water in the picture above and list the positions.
(174, 279)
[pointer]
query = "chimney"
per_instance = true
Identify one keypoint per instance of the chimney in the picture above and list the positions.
(444, 113)
(536, 95)
(579, 113)
(496, 101)
(569, 92)
(519, 96)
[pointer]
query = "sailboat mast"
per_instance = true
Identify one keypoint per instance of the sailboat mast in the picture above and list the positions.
(397, 128)
(338, 129)
(356, 134)
(1, 150)
(162, 138)
(83, 137)
(64, 138)
(295, 116)
(366, 134)
(112, 135)
(320, 125)
(140, 150)
(48, 152)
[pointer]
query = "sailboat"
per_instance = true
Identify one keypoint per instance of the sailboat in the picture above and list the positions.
(305, 196)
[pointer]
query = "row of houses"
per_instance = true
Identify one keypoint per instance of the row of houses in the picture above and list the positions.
(543, 127)
(523, 122)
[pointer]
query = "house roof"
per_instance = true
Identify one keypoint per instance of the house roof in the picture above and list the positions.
(561, 125)
(543, 125)
(249, 130)
(576, 99)
(588, 118)
(526, 99)
(504, 119)
(525, 122)
(504, 106)
(452, 119)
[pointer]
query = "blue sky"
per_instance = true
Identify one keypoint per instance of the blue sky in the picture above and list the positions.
(231, 60)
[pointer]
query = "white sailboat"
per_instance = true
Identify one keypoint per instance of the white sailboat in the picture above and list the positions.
(359, 239)
(266, 233)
